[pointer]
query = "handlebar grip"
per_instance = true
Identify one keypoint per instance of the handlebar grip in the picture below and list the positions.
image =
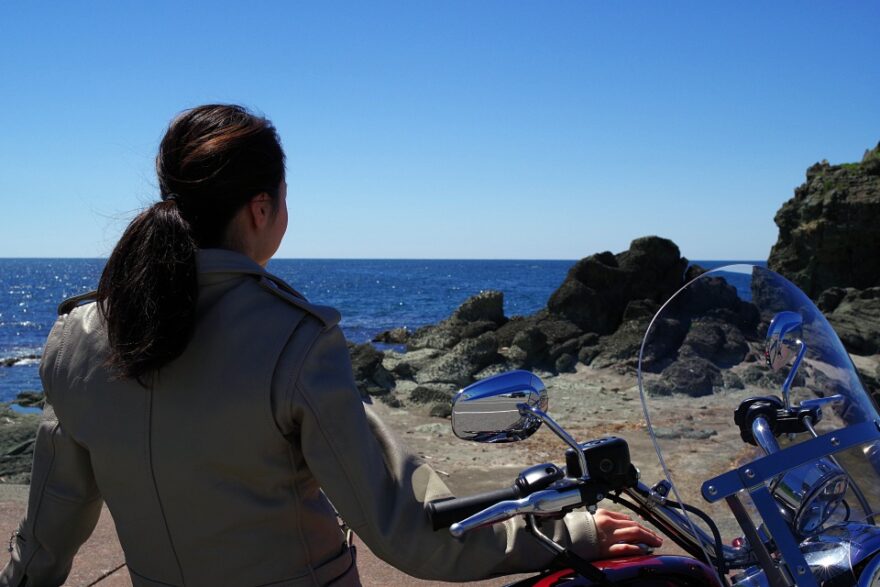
(445, 512)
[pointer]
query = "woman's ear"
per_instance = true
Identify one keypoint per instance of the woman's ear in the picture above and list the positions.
(260, 210)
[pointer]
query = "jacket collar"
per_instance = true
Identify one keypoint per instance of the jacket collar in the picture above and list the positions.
(214, 263)
(226, 261)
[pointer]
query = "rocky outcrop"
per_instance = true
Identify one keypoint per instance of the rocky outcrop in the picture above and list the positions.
(597, 316)
(370, 375)
(477, 315)
(855, 316)
(828, 234)
(828, 244)
(393, 336)
(17, 436)
(12, 361)
(599, 288)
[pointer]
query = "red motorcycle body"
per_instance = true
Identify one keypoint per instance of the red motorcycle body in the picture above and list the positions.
(641, 571)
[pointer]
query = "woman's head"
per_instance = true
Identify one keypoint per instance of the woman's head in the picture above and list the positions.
(221, 182)
(213, 160)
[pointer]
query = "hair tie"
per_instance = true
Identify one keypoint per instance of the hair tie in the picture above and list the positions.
(172, 197)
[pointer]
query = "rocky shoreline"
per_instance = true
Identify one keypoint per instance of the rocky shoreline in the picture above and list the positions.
(593, 324)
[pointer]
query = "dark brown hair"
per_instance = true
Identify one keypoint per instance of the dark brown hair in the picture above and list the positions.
(212, 160)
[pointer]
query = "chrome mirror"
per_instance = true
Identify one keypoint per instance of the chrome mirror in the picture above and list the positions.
(784, 342)
(489, 410)
(783, 339)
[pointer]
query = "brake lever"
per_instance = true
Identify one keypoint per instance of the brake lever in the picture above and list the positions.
(541, 503)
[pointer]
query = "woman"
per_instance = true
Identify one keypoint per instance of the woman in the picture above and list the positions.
(213, 408)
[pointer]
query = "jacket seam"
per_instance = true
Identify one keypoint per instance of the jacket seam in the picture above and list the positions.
(62, 347)
(133, 572)
(293, 384)
(339, 459)
(156, 484)
(33, 553)
(299, 522)
(284, 405)
(59, 497)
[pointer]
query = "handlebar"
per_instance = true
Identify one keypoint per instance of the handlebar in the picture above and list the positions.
(444, 513)
(547, 502)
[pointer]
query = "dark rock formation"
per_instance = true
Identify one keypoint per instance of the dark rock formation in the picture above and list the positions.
(12, 361)
(393, 336)
(855, 316)
(599, 288)
(477, 315)
(598, 315)
(828, 234)
(17, 435)
(462, 362)
(370, 375)
(871, 382)
(719, 342)
(31, 399)
(693, 376)
(437, 397)
(487, 306)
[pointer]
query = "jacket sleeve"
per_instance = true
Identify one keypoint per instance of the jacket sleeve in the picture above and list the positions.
(380, 489)
(63, 508)
(64, 502)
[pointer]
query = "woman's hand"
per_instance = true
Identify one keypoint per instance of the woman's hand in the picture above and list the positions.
(620, 535)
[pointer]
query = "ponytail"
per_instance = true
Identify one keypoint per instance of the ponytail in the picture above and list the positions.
(148, 291)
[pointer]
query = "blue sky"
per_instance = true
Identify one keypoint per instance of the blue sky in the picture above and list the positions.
(416, 129)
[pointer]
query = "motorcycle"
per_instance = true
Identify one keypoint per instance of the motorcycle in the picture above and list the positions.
(743, 379)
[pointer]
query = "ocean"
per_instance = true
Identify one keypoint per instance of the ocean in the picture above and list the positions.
(372, 295)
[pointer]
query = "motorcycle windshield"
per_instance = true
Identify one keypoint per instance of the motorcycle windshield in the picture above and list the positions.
(742, 332)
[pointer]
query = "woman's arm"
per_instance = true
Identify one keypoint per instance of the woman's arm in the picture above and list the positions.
(64, 502)
(63, 508)
(380, 489)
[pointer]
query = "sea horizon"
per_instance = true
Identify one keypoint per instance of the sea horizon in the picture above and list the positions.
(373, 295)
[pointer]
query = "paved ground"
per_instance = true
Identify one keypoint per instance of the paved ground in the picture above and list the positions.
(100, 561)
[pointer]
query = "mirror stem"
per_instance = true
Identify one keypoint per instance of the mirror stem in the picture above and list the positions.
(526, 409)
(786, 387)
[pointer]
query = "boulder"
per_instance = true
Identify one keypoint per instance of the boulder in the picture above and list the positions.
(430, 394)
(591, 295)
(486, 306)
(406, 365)
(393, 336)
(565, 363)
(555, 330)
(622, 347)
(663, 343)
(692, 376)
(369, 374)
(31, 399)
(717, 341)
(478, 314)
(871, 380)
(17, 436)
(855, 316)
(443, 335)
(598, 289)
(828, 233)
(731, 380)
(655, 268)
(462, 362)
(12, 361)
(528, 348)
(759, 375)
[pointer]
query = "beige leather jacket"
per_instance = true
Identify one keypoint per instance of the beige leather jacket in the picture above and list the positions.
(221, 474)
